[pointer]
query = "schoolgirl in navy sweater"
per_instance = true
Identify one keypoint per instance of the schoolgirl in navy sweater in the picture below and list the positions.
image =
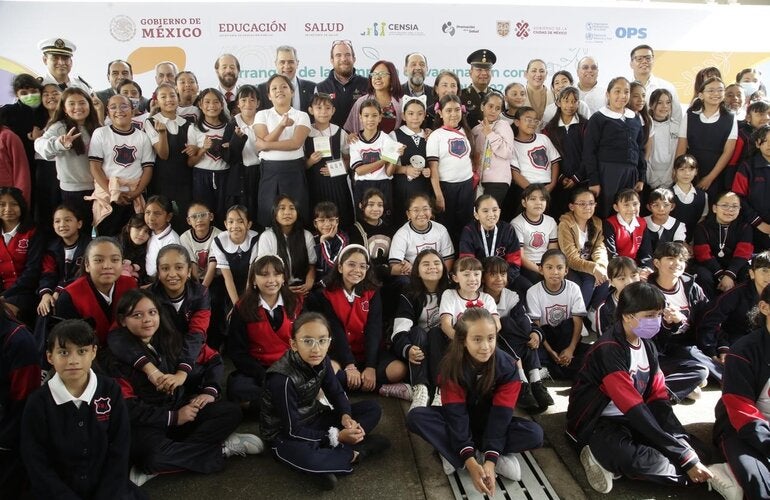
(750, 184)
(75, 433)
(479, 388)
(613, 152)
(21, 251)
(260, 329)
(187, 428)
(618, 410)
(63, 258)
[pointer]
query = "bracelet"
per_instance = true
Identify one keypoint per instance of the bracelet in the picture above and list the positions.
(351, 369)
(153, 373)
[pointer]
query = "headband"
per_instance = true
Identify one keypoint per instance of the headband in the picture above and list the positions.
(352, 246)
(273, 255)
(409, 98)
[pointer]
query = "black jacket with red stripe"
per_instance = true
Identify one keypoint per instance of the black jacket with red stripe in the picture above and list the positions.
(726, 318)
(737, 247)
(57, 273)
(752, 184)
(481, 418)
(746, 374)
(605, 377)
(507, 246)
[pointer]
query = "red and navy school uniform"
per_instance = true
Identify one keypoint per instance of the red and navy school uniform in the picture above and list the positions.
(254, 346)
(500, 242)
(19, 377)
(621, 443)
(721, 250)
(59, 269)
(81, 300)
(620, 242)
(752, 184)
(706, 142)
(78, 451)
(20, 260)
(356, 328)
(741, 429)
(158, 442)
(741, 153)
(683, 363)
(613, 154)
(726, 318)
(416, 323)
(326, 252)
(468, 420)
(301, 431)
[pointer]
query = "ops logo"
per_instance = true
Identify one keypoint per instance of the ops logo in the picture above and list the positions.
(630, 32)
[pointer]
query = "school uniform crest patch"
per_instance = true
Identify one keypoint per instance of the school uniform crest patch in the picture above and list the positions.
(215, 151)
(102, 407)
(555, 314)
(369, 156)
(539, 158)
(125, 155)
(458, 147)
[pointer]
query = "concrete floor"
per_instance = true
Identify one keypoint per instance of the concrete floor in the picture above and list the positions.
(410, 470)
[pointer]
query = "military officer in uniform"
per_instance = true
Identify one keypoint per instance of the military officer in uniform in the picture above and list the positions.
(57, 57)
(481, 62)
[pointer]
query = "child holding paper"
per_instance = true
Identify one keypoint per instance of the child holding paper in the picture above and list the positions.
(327, 156)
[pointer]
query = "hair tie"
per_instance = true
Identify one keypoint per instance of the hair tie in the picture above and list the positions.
(462, 108)
(410, 98)
(436, 107)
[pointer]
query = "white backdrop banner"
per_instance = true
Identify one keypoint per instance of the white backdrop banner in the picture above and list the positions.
(685, 38)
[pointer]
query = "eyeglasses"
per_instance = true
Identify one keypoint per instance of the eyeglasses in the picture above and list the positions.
(326, 220)
(354, 265)
(585, 204)
(728, 207)
(643, 58)
(311, 343)
(379, 74)
(198, 216)
(140, 315)
(121, 107)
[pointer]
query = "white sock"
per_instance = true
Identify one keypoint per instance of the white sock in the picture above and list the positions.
(534, 376)
(522, 376)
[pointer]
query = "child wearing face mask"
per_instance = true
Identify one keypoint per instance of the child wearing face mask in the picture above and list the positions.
(615, 399)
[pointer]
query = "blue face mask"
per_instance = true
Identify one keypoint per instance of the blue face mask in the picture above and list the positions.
(647, 327)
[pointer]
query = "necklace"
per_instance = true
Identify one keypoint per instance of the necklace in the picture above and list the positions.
(722, 241)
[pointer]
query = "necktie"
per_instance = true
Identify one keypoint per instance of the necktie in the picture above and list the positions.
(63, 86)
(228, 96)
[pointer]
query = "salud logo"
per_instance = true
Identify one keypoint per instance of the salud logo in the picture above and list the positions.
(522, 29)
(503, 28)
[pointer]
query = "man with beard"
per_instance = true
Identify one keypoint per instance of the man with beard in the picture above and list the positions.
(57, 57)
(227, 68)
(343, 84)
(481, 62)
(416, 70)
(286, 63)
(588, 84)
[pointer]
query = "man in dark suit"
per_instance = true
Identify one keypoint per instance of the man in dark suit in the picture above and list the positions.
(286, 64)
(481, 62)
(343, 84)
(228, 68)
(117, 71)
(416, 70)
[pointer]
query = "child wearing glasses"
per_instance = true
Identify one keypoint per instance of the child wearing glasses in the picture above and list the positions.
(661, 226)
(304, 433)
(535, 159)
(722, 247)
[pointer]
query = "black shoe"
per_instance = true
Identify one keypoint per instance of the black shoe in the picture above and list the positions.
(527, 401)
(540, 392)
(326, 482)
(370, 446)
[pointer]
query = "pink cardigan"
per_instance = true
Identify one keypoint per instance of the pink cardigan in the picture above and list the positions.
(14, 166)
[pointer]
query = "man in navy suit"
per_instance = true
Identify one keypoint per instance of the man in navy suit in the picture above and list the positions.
(286, 63)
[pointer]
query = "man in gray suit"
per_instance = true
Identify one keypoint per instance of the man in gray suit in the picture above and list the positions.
(286, 63)
(117, 71)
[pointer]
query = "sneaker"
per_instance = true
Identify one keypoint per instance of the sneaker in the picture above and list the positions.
(695, 395)
(449, 469)
(326, 482)
(724, 482)
(371, 445)
(527, 401)
(437, 398)
(508, 467)
(136, 476)
(242, 445)
(401, 391)
(420, 396)
(540, 392)
(598, 477)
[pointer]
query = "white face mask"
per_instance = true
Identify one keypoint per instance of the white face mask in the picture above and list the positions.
(749, 88)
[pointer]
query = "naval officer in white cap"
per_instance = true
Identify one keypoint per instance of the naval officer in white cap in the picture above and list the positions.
(57, 57)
